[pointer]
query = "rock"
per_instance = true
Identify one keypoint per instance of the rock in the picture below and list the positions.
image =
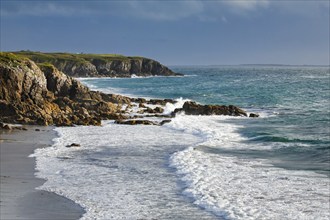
(192, 108)
(11, 127)
(43, 95)
(73, 145)
(5, 126)
(160, 101)
(164, 122)
(139, 100)
(158, 110)
(37, 129)
(253, 115)
(158, 116)
(116, 98)
(136, 122)
(150, 110)
(235, 111)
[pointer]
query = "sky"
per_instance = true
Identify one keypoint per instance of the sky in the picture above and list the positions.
(181, 32)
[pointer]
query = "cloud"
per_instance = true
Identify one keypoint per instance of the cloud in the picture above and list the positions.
(158, 10)
(166, 10)
(246, 5)
(42, 8)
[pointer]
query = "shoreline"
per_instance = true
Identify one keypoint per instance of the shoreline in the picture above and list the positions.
(19, 197)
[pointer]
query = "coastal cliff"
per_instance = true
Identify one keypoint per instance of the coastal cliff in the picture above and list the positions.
(41, 94)
(100, 65)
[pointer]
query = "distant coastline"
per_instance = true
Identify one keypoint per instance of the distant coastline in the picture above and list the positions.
(99, 65)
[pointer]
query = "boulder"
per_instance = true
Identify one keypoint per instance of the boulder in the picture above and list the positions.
(253, 115)
(192, 108)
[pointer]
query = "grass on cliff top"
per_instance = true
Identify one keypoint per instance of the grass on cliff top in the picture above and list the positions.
(46, 66)
(7, 57)
(70, 57)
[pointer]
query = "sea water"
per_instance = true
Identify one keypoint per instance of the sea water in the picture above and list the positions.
(276, 166)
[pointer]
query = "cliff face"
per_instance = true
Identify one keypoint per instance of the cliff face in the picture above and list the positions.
(32, 94)
(106, 65)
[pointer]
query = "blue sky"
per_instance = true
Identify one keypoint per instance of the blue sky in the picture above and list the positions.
(173, 32)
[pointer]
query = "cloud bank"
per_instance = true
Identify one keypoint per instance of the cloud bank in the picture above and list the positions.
(159, 10)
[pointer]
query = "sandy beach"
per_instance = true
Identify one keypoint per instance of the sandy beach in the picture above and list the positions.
(19, 198)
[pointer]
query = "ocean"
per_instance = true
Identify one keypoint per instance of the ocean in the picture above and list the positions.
(276, 166)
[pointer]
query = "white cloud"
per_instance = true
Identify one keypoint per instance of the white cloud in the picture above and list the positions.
(246, 5)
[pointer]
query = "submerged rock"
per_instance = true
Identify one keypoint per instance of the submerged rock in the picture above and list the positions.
(253, 115)
(136, 122)
(165, 122)
(73, 145)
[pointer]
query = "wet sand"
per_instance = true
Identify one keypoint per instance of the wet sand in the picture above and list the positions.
(18, 197)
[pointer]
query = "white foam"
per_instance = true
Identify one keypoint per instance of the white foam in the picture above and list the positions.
(170, 107)
(213, 130)
(242, 188)
(119, 172)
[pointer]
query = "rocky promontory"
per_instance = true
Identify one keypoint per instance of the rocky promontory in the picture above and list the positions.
(32, 93)
(100, 65)
(41, 94)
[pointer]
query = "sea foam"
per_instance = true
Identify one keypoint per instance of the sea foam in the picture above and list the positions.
(238, 187)
(119, 172)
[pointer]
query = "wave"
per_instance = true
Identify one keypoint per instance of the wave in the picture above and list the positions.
(237, 187)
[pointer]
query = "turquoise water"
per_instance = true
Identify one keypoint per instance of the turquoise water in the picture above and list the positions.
(296, 99)
(276, 166)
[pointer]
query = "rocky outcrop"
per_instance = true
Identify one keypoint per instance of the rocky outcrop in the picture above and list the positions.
(32, 94)
(42, 94)
(192, 108)
(105, 65)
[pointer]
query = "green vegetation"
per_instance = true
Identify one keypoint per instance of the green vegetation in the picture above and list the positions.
(70, 57)
(11, 59)
(46, 66)
(6, 57)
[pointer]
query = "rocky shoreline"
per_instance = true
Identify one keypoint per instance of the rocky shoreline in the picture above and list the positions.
(43, 95)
